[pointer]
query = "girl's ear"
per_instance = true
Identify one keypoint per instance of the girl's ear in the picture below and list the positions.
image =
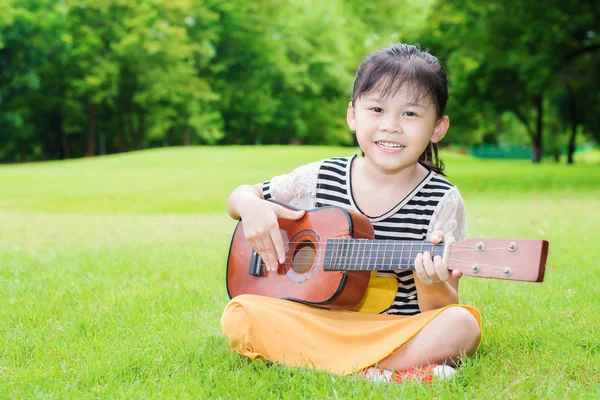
(440, 129)
(351, 117)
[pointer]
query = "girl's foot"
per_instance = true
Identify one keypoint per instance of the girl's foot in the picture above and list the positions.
(424, 375)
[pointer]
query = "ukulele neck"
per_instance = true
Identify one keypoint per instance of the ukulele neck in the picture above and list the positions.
(346, 254)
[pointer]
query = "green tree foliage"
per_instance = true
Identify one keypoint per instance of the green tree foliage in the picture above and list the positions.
(113, 73)
(282, 72)
(519, 57)
(87, 77)
(28, 40)
(103, 76)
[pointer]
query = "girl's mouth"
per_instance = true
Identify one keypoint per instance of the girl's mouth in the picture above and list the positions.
(389, 147)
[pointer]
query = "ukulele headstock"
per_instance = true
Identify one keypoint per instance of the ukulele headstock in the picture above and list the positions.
(511, 259)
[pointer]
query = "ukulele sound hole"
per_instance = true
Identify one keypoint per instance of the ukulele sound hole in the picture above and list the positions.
(304, 257)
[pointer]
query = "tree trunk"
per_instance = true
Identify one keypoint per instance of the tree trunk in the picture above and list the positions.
(556, 155)
(64, 145)
(187, 135)
(130, 132)
(122, 145)
(572, 141)
(63, 141)
(537, 138)
(138, 136)
(91, 135)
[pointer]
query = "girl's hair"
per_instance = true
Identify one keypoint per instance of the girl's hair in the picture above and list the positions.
(388, 70)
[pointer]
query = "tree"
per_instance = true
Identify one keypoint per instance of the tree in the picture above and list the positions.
(516, 70)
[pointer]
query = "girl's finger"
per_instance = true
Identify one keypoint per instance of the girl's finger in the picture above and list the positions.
(279, 246)
(437, 237)
(268, 253)
(257, 246)
(457, 274)
(420, 270)
(429, 267)
(440, 269)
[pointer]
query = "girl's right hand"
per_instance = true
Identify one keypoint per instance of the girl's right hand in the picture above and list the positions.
(262, 230)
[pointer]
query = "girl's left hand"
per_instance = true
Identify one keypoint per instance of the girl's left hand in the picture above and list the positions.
(432, 270)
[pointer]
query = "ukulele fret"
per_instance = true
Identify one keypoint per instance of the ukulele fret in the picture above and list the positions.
(352, 260)
(384, 255)
(359, 245)
(342, 260)
(328, 255)
(375, 255)
(362, 262)
(336, 263)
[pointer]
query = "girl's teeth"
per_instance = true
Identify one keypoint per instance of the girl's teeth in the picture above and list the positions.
(390, 145)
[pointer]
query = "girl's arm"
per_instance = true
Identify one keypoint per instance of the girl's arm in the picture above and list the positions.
(436, 286)
(242, 200)
(259, 219)
(437, 295)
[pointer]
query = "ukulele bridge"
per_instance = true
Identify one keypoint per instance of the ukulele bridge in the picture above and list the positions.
(256, 266)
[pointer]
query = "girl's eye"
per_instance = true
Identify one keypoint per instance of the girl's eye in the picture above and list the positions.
(377, 109)
(410, 114)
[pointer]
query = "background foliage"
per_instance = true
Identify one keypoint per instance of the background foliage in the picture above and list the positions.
(87, 77)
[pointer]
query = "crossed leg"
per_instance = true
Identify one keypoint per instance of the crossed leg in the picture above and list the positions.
(452, 333)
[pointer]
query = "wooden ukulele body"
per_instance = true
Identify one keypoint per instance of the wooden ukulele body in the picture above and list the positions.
(299, 278)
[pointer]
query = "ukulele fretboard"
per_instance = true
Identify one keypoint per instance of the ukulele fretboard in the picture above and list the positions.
(381, 255)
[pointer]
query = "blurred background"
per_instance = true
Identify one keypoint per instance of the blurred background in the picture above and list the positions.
(93, 77)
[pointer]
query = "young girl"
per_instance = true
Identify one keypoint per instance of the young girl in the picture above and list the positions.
(397, 112)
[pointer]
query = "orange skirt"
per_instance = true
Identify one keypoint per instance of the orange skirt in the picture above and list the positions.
(294, 334)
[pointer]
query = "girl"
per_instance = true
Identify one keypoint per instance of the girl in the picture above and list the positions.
(397, 112)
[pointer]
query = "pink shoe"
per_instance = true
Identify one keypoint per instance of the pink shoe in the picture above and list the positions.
(424, 375)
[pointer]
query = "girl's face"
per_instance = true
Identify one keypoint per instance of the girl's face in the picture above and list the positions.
(393, 132)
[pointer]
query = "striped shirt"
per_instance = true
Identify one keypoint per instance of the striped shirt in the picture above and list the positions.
(328, 183)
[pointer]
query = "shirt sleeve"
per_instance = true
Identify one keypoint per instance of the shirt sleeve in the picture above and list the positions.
(298, 188)
(450, 217)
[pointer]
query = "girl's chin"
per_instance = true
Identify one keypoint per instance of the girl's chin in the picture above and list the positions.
(389, 166)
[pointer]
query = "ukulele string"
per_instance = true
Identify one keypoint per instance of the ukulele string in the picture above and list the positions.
(386, 256)
(478, 251)
(467, 263)
(453, 246)
(388, 261)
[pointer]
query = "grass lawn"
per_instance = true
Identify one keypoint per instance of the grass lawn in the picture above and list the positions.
(112, 280)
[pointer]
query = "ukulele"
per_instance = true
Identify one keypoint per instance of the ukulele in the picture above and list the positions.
(331, 253)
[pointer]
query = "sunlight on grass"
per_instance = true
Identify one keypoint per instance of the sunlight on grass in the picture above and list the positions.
(112, 280)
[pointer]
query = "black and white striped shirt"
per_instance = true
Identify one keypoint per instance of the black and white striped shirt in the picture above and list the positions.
(328, 183)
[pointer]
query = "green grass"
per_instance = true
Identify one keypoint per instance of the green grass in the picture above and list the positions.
(112, 280)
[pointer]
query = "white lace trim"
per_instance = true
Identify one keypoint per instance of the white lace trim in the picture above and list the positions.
(298, 188)
(450, 217)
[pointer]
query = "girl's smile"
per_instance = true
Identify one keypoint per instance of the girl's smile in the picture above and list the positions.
(389, 147)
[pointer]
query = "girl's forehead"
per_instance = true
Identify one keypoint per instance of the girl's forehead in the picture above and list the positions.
(396, 88)
(404, 95)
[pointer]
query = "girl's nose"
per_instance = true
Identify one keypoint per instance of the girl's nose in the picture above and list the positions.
(391, 125)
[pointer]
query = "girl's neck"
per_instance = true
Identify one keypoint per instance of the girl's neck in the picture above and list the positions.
(410, 175)
(376, 192)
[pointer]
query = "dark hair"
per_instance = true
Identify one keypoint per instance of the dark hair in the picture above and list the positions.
(388, 70)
